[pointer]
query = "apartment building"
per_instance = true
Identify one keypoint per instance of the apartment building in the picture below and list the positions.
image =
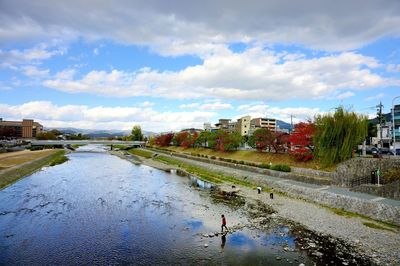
(27, 128)
(269, 123)
(396, 130)
(243, 125)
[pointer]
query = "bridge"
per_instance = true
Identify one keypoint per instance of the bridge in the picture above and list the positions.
(86, 142)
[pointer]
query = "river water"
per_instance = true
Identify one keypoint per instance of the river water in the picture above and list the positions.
(100, 209)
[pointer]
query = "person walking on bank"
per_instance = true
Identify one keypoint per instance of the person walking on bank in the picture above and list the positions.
(223, 223)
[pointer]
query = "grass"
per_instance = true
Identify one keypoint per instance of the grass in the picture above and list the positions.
(11, 159)
(9, 176)
(254, 156)
(141, 153)
(207, 175)
(377, 226)
(75, 146)
(369, 221)
(59, 160)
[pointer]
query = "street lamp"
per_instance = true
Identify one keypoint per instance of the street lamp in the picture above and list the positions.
(393, 129)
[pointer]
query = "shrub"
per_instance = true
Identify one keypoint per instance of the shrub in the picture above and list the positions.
(264, 165)
(391, 175)
(213, 157)
(281, 167)
(241, 162)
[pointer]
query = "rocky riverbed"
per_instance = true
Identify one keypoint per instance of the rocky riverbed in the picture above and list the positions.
(328, 237)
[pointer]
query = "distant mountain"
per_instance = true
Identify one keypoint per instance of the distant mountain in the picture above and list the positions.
(283, 125)
(96, 133)
(386, 118)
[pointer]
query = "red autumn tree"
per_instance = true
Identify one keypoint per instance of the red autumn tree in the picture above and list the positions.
(261, 139)
(280, 141)
(301, 141)
(180, 138)
(164, 139)
(193, 139)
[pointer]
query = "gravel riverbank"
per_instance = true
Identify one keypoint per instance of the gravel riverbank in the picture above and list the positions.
(381, 246)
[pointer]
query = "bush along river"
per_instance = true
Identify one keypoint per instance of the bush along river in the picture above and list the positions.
(100, 209)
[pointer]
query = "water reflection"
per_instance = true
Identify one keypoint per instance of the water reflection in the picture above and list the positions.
(195, 182)
(223, 240)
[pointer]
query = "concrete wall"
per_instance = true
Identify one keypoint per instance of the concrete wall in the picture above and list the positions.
(375, 210)
(391, 190)
(361, 167)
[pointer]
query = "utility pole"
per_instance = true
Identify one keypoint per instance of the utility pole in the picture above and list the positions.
(379, 110)
(291, 123)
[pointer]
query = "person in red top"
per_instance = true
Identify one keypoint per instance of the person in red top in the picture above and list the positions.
(223, 223)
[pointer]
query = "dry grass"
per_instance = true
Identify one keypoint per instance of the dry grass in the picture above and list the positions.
(24, 168)
(254, 156)
(11, 159)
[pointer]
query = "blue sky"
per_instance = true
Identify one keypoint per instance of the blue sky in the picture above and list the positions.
(111, 65)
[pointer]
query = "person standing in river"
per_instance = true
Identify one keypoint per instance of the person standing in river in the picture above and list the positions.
(223, 223)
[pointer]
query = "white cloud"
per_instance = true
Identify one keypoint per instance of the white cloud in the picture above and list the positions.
(376, 97)
(147, 104)
(13, 58)
(262, 110)
(189, 105)
(96, 51)
(180, 28)
(393, 68)
(345, 95)
(253, 74)
(210, 106)
(100, 117)
(34, 72)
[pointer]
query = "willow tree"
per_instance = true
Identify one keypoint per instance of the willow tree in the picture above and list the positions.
(338, 134)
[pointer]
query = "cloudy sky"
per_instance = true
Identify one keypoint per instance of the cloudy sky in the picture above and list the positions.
(167, 65)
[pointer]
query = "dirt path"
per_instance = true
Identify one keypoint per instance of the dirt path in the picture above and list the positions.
(13, 159)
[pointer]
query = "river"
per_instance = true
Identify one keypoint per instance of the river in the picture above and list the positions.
(100, 209)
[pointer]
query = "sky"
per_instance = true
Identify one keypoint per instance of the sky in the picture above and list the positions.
(168, 65)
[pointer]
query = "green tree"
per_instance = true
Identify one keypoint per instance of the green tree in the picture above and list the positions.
(45, 136)
(203, 138)
(338, 134)
(227, 141)
(137, 133)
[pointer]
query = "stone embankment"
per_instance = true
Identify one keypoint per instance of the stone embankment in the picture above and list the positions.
(318, 194)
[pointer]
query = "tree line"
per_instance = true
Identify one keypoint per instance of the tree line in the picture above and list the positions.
(330, 138)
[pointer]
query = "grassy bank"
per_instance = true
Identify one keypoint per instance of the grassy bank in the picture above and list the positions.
(142, 153)
(207, 175)
(253, 156)
(9, 176)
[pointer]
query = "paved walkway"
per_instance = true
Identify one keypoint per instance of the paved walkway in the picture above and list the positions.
(333, 189)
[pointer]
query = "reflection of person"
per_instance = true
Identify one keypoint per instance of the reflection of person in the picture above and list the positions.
(223, 240)
(223, 223)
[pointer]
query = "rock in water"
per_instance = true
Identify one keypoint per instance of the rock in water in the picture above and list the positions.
(205, 245)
